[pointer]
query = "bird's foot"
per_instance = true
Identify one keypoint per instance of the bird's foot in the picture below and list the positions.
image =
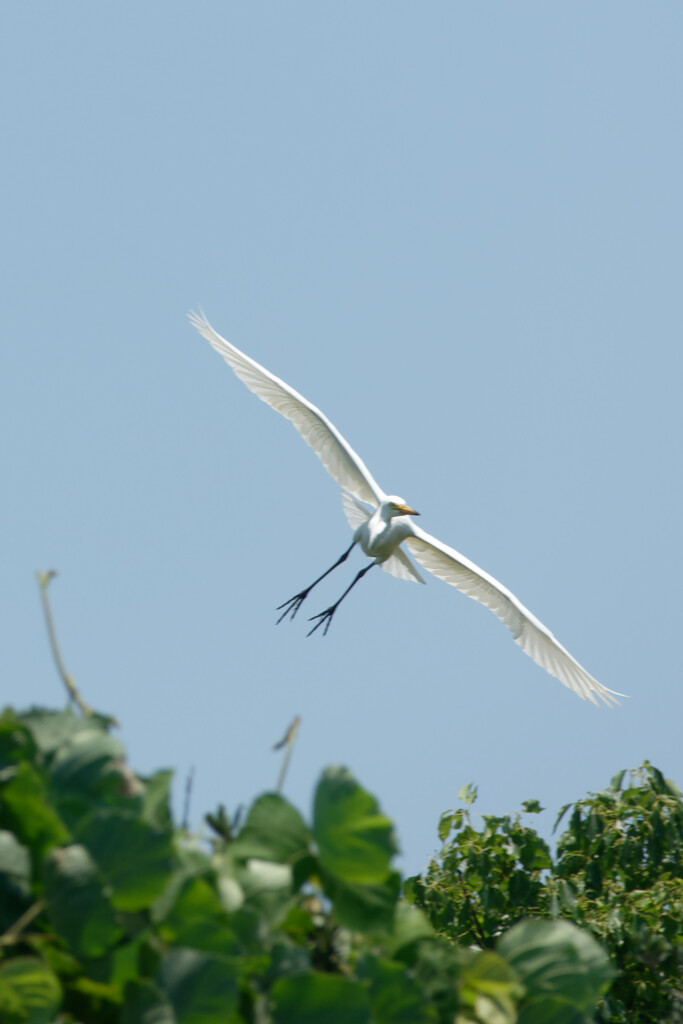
(322, 617)
(292, 606)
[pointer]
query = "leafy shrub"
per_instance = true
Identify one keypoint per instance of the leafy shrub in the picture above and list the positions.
(618, 874)
(110, 914)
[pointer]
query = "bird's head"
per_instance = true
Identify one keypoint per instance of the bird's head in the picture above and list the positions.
(396, 506)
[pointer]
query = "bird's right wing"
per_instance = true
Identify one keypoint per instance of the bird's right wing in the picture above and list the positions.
(533, 637)
(335, 453)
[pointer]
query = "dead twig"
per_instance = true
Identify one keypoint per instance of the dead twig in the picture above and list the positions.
(44, 580)
(287, 742)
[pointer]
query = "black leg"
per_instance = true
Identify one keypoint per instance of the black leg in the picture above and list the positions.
(292, 606)
(326, 616)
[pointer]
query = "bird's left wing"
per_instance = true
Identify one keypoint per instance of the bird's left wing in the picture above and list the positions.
(533, 637)
(335, 453)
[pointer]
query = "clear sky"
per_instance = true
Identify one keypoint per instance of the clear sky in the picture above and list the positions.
(455, 227)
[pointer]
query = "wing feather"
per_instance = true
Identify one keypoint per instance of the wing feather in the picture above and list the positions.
(335, 453)
(356, 514)
(533, 637)
(400, 566)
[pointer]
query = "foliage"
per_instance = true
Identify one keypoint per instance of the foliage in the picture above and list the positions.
(618, 874)
(109, 914)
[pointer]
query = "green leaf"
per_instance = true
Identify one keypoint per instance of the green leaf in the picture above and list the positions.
(553, 1011)
(125, 962)
(156, 799)
(366, 908)
(79, 910)
(274, 830)
(30, 990)
(27, 810)
(489, 989)
(555, 958)
(561, 814)
(265, 886)
(468, 794)
(197, 920)
(134, 857)
(15, 879)
(313, 998)
(86, 761)
(446, 822)
(567, 894)
(490, 973)
(394, 996)
(201, 989)
(355, 840)
(53, 729)
(411, 925)
(16, 742)
(15, 863)
(145, 1004)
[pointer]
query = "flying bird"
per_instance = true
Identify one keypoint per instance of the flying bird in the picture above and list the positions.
(382, 529)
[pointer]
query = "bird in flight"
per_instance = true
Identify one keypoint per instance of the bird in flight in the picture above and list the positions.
(382, 529)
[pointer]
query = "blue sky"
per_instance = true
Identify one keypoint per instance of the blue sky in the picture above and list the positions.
(454, 227)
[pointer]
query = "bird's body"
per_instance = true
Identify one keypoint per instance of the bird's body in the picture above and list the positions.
(381, 534)
(382, 528)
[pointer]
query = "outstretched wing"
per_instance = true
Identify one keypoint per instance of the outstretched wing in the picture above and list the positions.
(398, 564)
(335, 453)
(532, 636)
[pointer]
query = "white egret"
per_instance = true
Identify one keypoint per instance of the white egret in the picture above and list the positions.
(382, 529)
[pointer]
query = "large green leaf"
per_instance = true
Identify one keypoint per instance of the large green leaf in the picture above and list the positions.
(314, 998)
(27, 810)
(274, 830)
(85, 761)
(551, 1010)
(134, 857)
(77, 905)
(556, 959)
(491, 973)
(394, 995)
(490, 988)
(355, 840)
(145, 1004)
(363, 907)
(202, 989)
(411, 925)
(29, 990)
(53, 729)
(266, 886)
(197, 919)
